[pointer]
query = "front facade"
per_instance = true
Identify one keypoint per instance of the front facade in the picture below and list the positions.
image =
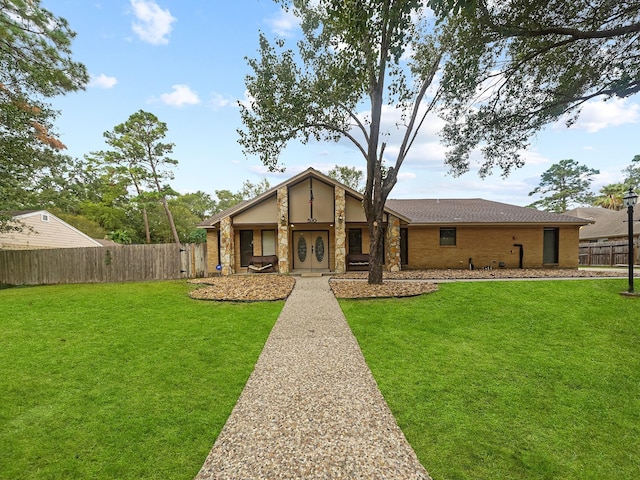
(41, 229)
(313, 223)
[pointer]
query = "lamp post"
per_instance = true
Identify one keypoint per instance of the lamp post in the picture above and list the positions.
(629, 201)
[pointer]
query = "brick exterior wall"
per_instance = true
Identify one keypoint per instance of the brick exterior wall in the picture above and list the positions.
(212, 252)
(569, 247)
(489, 245)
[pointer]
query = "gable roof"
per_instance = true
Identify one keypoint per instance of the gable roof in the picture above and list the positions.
(19, 216)
(475, 210)
(309, 172)
(606, 223)
(424, 211)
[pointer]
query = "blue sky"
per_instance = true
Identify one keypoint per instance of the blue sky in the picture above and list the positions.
(184, 61)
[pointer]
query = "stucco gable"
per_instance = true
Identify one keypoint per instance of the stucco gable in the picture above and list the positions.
(291, 182)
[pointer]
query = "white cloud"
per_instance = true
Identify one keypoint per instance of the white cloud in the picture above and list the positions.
(181, 95)
(406, 176)
(284, 23)
(606, 177)
(531, 157)
(153, 24)
(102, 81)
(219, 101)
(597, 115)
(426, 152)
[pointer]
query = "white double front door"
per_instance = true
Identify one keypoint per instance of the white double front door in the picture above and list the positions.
(311, 250)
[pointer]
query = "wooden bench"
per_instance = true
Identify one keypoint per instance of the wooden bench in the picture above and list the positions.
(358, 261)
(263, 264)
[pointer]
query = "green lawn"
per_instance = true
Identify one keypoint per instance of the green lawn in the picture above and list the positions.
(119, 381)
(511, 380)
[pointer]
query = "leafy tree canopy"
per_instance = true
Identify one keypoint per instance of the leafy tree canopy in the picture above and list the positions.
(563, 184)
(227, 199)
(349, 176)
(518, 65)
(355, 56)
(199, 203)
(611, 196)
(139, 153)
(632, 174)
(251, 190)
(35, 64)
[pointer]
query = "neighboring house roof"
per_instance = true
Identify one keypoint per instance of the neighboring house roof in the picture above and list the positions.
(18, 213)
(606, 223)
(42, 229)
(475, 210)
(107, 243)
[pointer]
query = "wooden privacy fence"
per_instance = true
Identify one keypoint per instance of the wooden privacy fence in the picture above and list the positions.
(604, 254)
(122, 263)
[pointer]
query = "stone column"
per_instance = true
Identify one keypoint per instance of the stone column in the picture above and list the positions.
(340, 229)
(283, 229)
(227, 253)
(393, 262)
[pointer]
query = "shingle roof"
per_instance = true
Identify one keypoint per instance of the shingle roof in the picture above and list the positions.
(220, 215)
(475, 210)
(428, 211)
(608, 223)
(17, 213)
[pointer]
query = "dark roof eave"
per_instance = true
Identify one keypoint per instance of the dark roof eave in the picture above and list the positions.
(490, 224)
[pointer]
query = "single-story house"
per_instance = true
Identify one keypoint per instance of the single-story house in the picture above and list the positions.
(311, 222)
(41, 229)
(607, 225)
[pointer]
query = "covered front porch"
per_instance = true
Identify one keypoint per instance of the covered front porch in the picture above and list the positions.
(310, 223)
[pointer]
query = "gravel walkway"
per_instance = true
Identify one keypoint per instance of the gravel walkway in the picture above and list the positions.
(311, 408)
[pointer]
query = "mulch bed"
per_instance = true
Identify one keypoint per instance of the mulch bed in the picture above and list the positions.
(243, 288)
(498, 273)
(361, 289)
(270, 287)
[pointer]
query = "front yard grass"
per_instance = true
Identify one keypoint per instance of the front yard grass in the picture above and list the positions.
(511, 380)
(120, 381)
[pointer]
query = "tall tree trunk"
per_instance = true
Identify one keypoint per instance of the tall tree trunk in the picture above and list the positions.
(163, 199)
(374, 202)
(376, 253)
(145, 219)
(172, 224)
